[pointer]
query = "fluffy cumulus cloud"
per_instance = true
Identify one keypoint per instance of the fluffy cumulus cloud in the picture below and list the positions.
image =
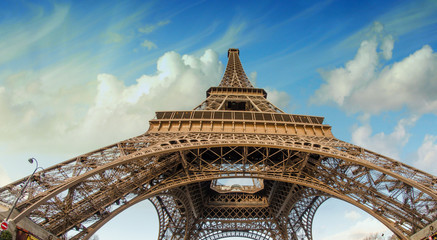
(58, 119)
(48, 116)
(364, 84)
(180, 83)
(360, 230)
(279, 98)
(427, 155)
(387, 144)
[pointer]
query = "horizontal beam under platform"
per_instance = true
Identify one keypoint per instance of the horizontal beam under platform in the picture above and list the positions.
(238, 115)
(235, 90)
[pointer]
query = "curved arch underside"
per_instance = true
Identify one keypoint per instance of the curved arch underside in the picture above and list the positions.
(174, 171)
(177, 220)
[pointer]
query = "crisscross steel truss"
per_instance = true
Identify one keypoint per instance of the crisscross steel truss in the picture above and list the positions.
(234, 133)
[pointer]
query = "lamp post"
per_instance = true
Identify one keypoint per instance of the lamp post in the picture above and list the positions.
(31, 160)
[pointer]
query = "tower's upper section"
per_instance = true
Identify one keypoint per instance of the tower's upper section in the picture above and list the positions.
(236, 106)
(234, 74)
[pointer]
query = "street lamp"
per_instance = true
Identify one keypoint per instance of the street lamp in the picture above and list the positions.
(31, 160)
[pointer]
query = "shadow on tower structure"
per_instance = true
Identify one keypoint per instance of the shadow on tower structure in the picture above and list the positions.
(288, 165)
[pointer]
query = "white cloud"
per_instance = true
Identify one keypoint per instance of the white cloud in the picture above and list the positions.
(360, 230)
(152, 27)
(43, 115)
(386, 144)
(427, 155)
(385, 41)
(410, 16)
(232, 34)
(53, 120)
(342, 82)
(180, 83)
(148, 44)
(252, 77)
(280, 99)
(364, 84)
(352, 215)
(114, 37)
(17, 38)
(387, 47)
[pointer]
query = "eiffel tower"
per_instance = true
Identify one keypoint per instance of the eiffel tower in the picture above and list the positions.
(234, 166)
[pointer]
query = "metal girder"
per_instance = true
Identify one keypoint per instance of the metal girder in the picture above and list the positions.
(375, 191)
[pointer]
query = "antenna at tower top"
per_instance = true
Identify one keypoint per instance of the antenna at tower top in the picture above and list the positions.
(233, 50)
(234, 74)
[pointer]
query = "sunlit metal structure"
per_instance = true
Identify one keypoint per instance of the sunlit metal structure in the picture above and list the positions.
(294, 162)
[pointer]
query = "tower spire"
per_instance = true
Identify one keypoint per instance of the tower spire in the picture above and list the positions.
(234, 74)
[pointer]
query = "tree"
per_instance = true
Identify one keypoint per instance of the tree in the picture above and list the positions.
(373, 236)
(6, 235)
(380, 236)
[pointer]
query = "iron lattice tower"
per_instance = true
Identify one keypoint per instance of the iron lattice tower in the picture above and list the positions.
(294, 161)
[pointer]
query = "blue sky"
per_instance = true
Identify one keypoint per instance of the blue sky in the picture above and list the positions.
(76, 76)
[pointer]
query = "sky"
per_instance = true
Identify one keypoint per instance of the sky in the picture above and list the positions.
(79, 75)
